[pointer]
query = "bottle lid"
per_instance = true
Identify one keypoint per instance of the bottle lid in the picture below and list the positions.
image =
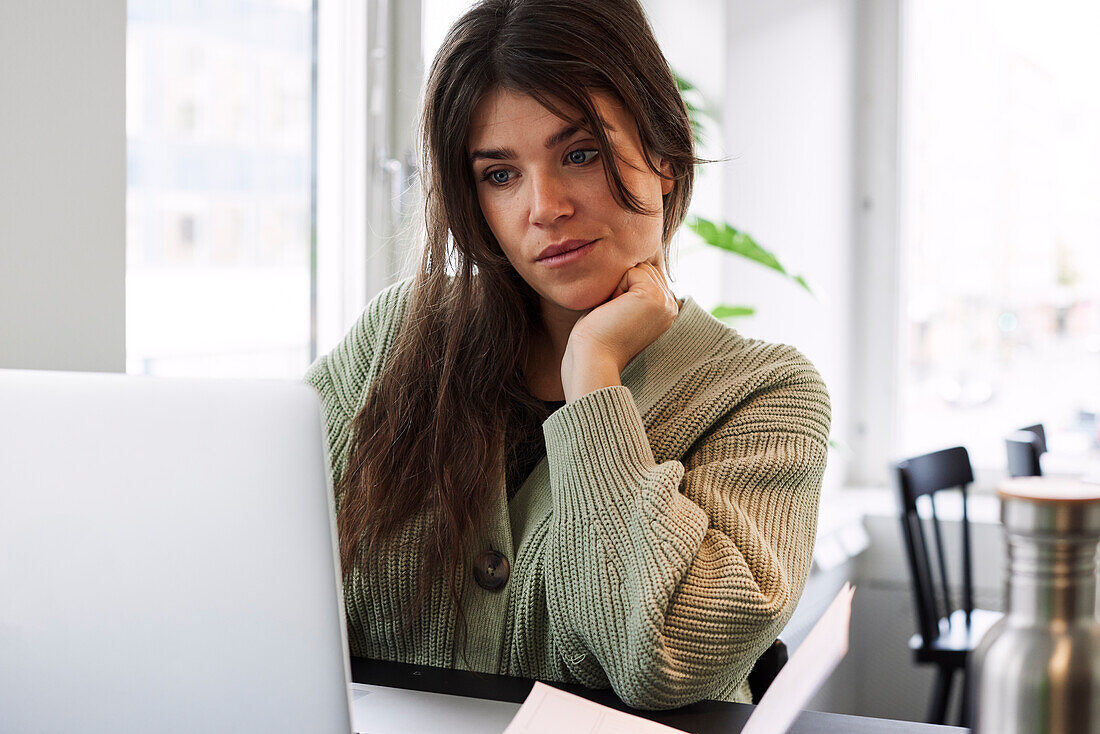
(1049, 489)
(1053, 507)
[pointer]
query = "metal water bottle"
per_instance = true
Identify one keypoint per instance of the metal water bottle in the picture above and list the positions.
(1038, 669)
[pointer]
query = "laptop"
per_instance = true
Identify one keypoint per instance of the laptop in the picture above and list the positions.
(167, 558)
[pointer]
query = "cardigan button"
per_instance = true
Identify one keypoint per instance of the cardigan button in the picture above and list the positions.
(491, 570)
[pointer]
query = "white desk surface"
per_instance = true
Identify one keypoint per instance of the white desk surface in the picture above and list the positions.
(384, 710)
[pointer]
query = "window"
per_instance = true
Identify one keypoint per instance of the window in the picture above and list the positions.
(219, 197)
(1001, 276)
(368, 81)
(438, 17)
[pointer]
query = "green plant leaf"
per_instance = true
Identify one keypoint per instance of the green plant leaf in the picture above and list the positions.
(683, 84)
(727, 238)
(696, 128)
(725, 312)
(697, 109)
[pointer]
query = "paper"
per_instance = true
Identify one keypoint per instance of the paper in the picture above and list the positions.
(808, 668)
(551, 711)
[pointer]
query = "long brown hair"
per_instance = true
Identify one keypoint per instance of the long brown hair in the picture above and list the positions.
(443, 416)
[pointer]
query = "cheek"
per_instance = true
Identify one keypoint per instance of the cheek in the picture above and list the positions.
(643, 230)
(500, 214)
(647, 187)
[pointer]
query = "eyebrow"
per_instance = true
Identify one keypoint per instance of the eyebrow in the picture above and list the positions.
(499, 154)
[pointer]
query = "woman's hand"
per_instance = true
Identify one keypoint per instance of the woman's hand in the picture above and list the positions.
(605, 339)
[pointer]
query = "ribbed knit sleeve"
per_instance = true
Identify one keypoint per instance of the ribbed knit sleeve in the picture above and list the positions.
(674, 575)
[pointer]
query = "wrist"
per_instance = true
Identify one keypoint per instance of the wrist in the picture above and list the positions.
(585, 369)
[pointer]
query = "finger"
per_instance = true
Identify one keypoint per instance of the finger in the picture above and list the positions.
(659, 278)
(623, 285)
(655, 263)
(639, 277)
(662, 281)
(658, 275)
(653, 270)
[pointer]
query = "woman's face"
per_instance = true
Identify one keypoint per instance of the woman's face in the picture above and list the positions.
(542, 189)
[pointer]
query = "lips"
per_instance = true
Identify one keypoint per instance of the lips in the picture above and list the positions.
(562, 247)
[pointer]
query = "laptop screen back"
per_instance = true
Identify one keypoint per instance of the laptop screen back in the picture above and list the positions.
(166, 558)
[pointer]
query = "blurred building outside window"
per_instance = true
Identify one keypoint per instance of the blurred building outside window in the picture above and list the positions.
(1000, 226)
(218, 117)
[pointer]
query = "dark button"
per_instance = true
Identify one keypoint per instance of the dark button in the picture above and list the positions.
(491, 570)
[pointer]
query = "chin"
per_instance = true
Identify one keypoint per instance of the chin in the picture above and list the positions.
(581, 296)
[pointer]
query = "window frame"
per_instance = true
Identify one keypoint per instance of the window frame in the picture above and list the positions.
(368, 83)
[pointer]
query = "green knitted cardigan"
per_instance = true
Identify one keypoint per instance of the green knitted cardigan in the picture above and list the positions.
(658, 549)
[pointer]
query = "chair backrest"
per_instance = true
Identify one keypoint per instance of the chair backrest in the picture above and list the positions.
(1040, 433)
(1023, 449)
(924, 476)
(767, 666)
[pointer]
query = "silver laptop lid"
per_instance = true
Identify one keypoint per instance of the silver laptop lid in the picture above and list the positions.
(167, 558)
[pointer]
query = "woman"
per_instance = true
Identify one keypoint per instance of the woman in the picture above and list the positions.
(546, 465)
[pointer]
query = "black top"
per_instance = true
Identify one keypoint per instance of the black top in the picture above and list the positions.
(528, 453)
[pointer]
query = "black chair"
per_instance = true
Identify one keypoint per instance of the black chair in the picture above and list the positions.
(767, 666)
(946, 634)
(1024, 447)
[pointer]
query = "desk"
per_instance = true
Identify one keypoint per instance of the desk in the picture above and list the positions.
(702, 718)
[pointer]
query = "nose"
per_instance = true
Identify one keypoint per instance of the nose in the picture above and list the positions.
(551, 200)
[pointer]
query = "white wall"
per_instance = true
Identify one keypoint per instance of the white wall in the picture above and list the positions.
(790, 183)
(62, 184)
(692, 35)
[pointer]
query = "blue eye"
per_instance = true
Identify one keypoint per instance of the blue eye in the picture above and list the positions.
(580, 157)
(499, 176)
